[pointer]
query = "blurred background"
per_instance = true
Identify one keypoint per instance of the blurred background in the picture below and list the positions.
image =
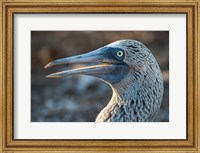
(81, 98)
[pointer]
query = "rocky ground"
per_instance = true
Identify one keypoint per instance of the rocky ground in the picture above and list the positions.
(80, 98)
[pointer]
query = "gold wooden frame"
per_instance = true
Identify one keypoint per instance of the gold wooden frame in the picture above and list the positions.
(10, 7)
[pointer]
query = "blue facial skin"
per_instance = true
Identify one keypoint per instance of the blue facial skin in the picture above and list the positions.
(121, 69)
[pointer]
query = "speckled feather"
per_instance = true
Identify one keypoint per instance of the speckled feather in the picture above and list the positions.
(136, 98)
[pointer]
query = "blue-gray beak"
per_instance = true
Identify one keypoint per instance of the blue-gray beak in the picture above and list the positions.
(103, 64)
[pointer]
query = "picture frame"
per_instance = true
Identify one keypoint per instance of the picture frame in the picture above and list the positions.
(9, 8)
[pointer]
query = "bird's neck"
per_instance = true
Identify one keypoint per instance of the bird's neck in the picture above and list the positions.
(119, 103)
(132, 101)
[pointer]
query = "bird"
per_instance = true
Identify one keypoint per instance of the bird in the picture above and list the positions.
(133, 74)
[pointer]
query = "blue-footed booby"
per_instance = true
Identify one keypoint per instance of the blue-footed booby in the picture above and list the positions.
(132, 72)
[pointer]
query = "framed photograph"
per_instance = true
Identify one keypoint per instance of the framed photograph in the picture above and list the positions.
(99, 76)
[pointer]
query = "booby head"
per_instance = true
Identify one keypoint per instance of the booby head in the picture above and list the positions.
(129, 68)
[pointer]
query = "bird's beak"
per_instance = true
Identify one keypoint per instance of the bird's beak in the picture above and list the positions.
(102, 65)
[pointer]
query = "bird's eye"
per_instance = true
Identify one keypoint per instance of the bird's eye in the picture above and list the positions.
(120, 53)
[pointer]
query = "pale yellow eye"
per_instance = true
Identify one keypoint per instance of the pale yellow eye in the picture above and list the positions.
(120, 53)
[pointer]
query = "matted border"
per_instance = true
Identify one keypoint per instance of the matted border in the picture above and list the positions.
(11, 7)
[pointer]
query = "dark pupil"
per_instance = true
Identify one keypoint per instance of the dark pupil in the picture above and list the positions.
(119, 53)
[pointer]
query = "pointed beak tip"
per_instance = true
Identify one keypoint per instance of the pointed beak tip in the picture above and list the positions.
(53, 76)
(48, 65)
